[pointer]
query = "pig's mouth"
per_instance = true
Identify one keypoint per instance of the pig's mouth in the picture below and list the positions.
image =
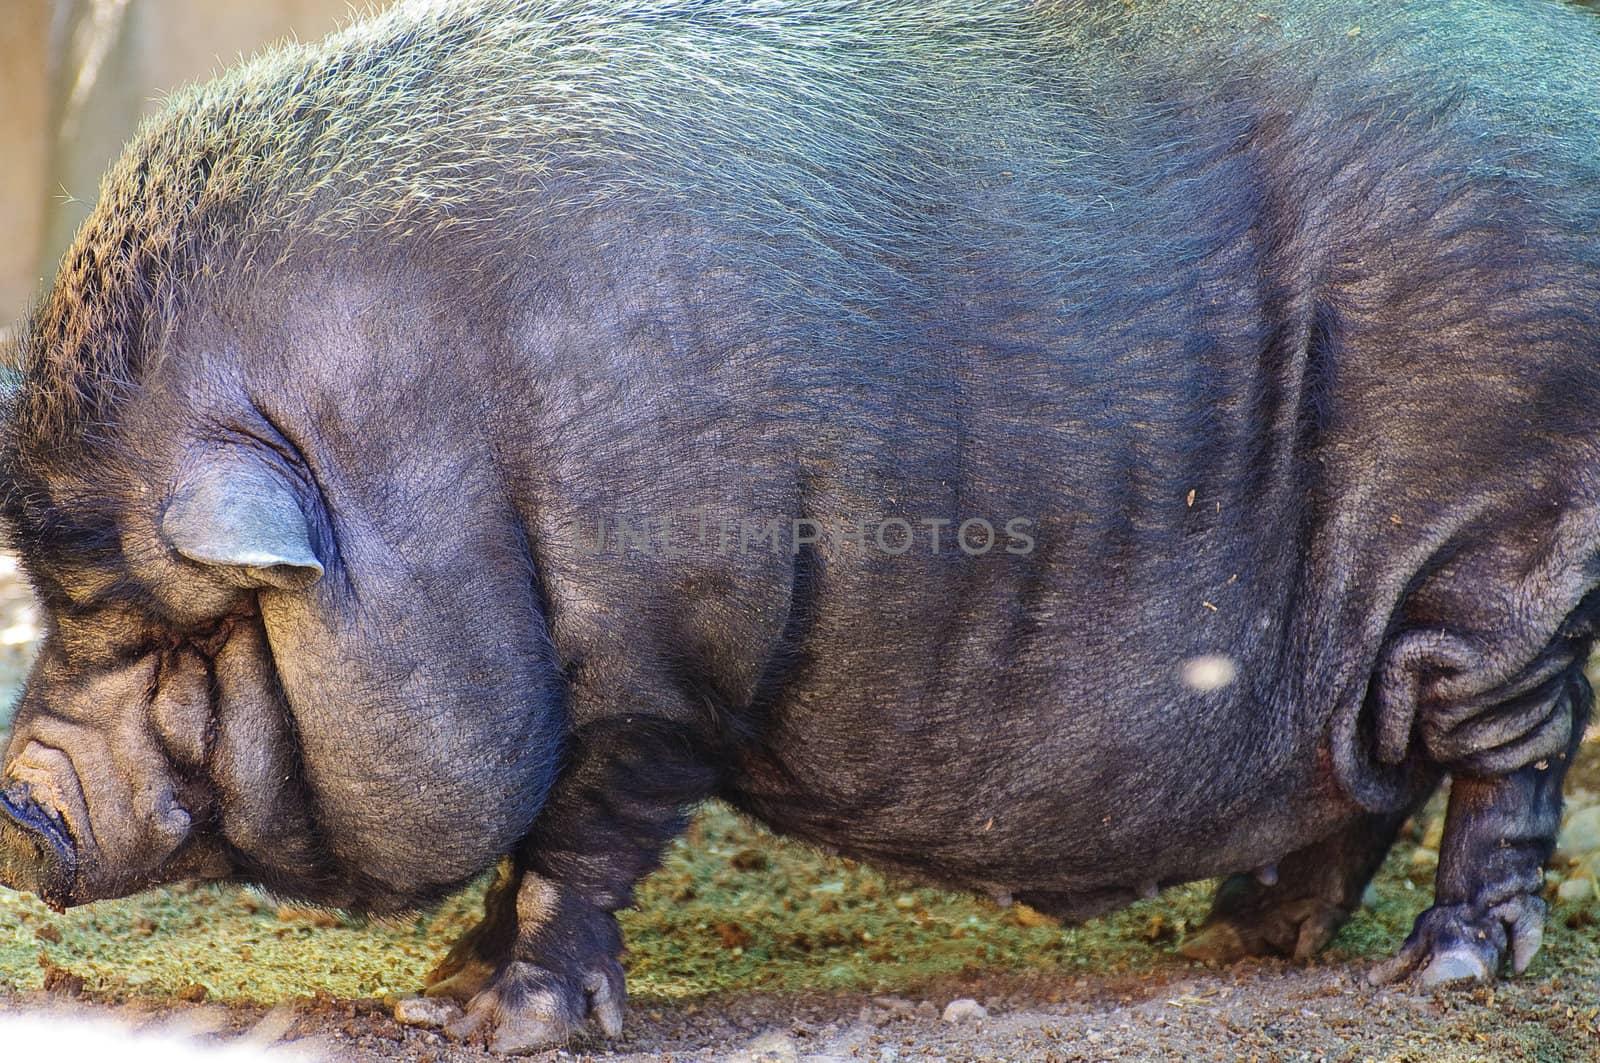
(37, 854)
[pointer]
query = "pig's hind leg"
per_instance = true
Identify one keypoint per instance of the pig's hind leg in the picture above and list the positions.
(1499, 832)
(1313, 891)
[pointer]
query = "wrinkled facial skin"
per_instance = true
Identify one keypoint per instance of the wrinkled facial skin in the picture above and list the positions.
(109, 755)
(269, 658)
(152, 742)
(214, 719)
(158, 738)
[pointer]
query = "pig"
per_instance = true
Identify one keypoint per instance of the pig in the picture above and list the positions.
(1054, 450)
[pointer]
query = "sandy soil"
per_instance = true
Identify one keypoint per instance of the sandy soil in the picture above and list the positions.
(1253, 1011)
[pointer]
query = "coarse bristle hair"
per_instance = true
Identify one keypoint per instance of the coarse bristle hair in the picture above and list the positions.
(486, 120)
(436, 116)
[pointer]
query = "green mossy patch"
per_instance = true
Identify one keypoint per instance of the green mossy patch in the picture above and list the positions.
(732, 909)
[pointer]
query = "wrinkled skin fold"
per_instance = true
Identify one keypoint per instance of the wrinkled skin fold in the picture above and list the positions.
(477, 439)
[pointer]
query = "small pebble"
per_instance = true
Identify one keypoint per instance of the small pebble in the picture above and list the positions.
(428, 1012)
(965, 1010)
(273, 1027)
(1576, 890)
(770, 1047)
(1581, 833)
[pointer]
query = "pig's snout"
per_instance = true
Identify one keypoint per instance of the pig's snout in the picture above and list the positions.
(37, 854)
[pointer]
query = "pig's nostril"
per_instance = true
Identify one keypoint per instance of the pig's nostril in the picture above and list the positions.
(37, 854)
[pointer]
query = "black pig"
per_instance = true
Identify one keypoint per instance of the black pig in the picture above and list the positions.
(1058, 450)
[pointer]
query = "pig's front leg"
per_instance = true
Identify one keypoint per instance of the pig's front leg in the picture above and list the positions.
(1498, 834)
(545, 960)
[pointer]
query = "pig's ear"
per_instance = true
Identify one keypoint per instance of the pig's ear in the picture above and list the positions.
(243, 519)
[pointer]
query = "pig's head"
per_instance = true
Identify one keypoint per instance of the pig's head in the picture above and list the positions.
(267, 465)
(293, 633)
(289, 638)
(152, 741)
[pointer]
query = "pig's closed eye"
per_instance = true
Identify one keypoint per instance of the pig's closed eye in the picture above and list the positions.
(88, 648)
(125, 655)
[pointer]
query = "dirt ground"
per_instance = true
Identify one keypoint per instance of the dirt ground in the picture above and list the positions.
(748, 948)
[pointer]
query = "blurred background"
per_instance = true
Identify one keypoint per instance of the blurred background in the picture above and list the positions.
(19, 633)
(77, 75)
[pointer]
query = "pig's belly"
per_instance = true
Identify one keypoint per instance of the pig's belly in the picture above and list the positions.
(1071, 841)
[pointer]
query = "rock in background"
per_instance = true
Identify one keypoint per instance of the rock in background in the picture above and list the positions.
(19, 633)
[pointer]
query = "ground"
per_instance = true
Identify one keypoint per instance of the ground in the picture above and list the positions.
(747, 947)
